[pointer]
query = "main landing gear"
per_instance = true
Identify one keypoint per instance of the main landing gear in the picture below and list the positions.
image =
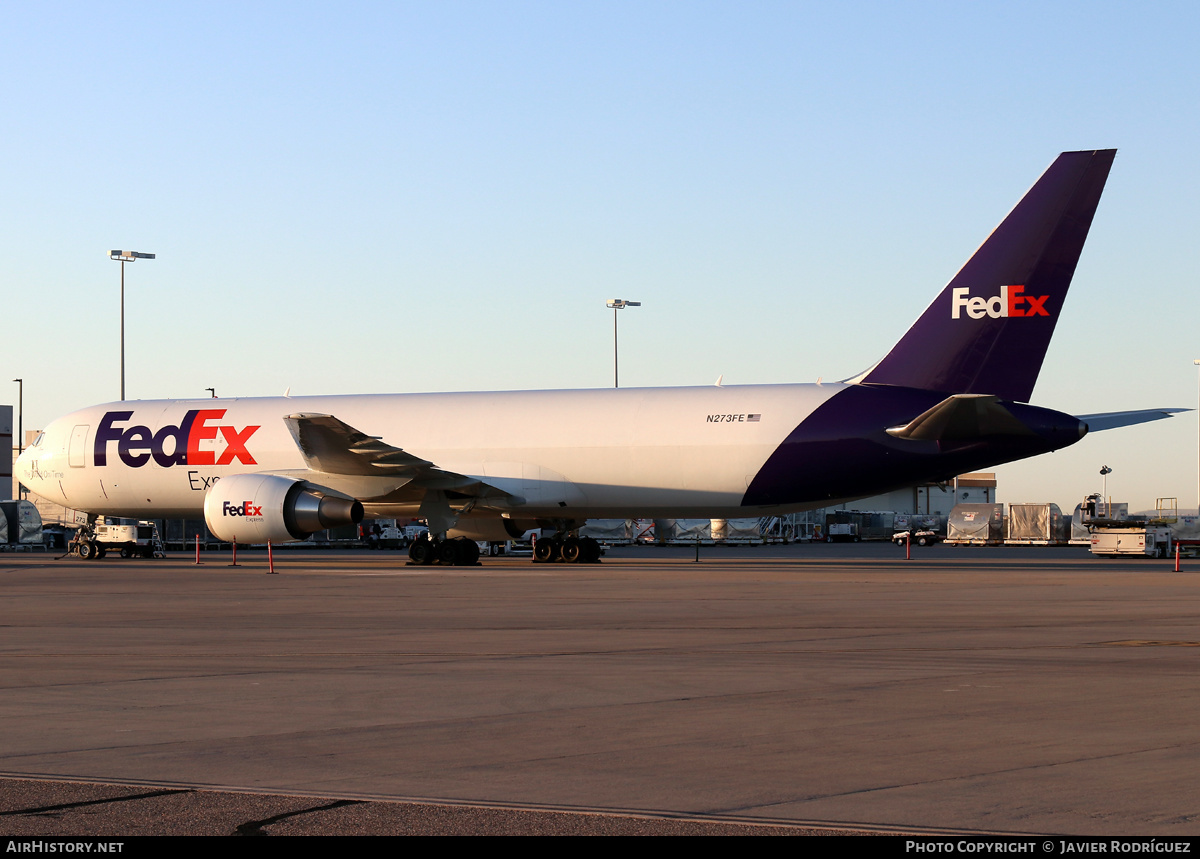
(458, 552)
(569, 550)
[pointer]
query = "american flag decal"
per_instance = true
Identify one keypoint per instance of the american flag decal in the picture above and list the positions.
(753, 417)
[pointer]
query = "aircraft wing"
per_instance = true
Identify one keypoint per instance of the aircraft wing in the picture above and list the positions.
(365, 467)
(329, 445)
(1112, 420)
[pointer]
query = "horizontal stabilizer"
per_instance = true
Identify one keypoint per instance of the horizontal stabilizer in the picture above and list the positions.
(962, 417)
(1112, 420)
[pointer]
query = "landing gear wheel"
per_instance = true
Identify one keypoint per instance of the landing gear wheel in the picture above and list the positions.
(572, 550)
(545, 551)
(421, 552)
(87, 551)
(100, 551)
(448, 552)
(468, 552)
(591, 550)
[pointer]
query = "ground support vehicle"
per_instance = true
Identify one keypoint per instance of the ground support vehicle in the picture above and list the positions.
(92, 542)
(1152, 541)
(389, 537)
(921, 538)
(842, 532)
(1132, 535)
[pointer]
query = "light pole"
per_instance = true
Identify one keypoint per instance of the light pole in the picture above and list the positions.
(1105, 471)
(618, 304)
(20, 415)
(124, 257)
(1197, 362)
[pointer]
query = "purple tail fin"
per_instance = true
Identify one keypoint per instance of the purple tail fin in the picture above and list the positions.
(988, 330)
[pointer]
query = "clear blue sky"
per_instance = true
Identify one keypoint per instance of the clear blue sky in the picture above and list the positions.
(378, 197)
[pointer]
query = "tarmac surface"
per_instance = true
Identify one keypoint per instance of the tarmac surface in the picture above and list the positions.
(771, 689)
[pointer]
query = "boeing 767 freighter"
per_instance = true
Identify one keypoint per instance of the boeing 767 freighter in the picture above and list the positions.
(950, 397)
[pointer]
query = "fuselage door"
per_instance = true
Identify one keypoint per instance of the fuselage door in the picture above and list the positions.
(77, 456)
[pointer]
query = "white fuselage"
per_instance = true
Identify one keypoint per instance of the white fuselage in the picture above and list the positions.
(634, 452)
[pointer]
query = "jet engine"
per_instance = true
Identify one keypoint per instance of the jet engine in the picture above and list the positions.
(260, 508)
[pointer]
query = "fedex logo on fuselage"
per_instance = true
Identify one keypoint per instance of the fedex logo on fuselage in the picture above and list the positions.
(1012, 301)
(137, 444)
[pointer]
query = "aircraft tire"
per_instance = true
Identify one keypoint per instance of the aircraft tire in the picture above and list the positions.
(572, 550)
(448, 552)
(468, 552)
(100, 551)
(421, 552)
(87, 551)
(591, 550)
(545, 551)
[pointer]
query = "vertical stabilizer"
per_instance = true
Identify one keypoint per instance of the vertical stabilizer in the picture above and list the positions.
(988, 330)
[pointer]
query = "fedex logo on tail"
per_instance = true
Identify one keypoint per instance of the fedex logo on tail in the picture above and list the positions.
(137, 444)
(1012, 301)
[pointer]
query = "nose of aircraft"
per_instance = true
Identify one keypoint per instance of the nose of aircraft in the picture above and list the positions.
(23, 461)
(33, 465)
(24, 472)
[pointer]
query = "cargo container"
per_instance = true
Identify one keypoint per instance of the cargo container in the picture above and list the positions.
(975, 525)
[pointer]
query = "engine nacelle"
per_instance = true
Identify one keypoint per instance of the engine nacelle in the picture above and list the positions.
(261, 508)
